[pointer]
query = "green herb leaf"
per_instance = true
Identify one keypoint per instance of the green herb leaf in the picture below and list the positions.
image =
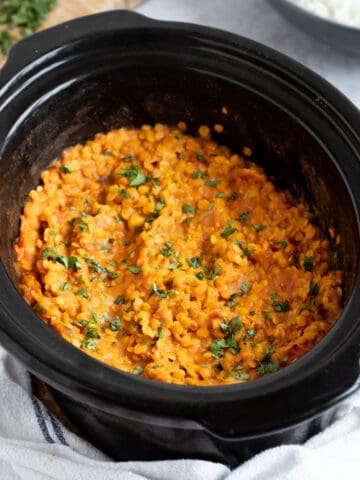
(281, 306)
(83, 292)
(242, 376)
(258, 227)
(124, 193)
(308, 263)
(134, 269)
(228, 230)
(314, 289)
(225, 327)
(115, 324)
(199, 174)
(217, 347)
(194, 262)
(120, 300)
(211, 183)
(168, 251)
(283, 244)
(46, 253)
(65, 286)
(270, 367)
(245, 287)
(135, 175)
(236, 323)
(158, 207)
(186, 208)
(214, 273)
(89, 344)
(64, 169)
(250, 332)
(74, 263)
(138, 370)
(199, 156)
(243, 217)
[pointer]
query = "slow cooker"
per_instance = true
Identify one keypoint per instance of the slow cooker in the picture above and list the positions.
(60, 87)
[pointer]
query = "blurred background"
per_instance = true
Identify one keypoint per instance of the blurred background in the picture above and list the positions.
(259, 20)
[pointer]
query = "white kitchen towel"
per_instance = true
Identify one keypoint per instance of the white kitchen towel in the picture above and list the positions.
(34, 445)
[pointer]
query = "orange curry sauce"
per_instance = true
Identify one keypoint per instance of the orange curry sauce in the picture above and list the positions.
(170, 257)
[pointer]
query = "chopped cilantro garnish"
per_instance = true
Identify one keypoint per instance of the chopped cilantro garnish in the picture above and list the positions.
(283, 244)
(64, 169)
(74, 262)
(65, 286)
(120, 300)
(228, 230)
(232, 302)
(105, 247)
(242, 376)
(250, 332)
(245, 287)
(154, 181)
(168, 251)
(124, 193)
(270, 367)
(212, 183)
(46, 253)
(194, 262)
(199, 174)
(214, 273)
(39, 308)
(134, 269)
(94, 265)
(68, 262)
(308, 263)
(314, 289)
(258, 227)
(138, 370)
(83, 292)
(225, 327)
(243, 217)
(220, 195)
(234, 196)
(115, 324)
(199, 156)
(89, 344)
(159, 292)
(112, 275)
(281, 306)
(236, 323)
(135, 175)
(158, 207)
(128, 159)
(217, 347)
(186, 208)
(266, 315)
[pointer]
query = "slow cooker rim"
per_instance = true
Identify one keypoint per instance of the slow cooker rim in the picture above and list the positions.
(200, 394)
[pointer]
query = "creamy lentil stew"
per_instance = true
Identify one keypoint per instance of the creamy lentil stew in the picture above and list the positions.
(173, 258)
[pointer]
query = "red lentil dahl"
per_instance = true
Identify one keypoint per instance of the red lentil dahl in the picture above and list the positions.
(170, 257)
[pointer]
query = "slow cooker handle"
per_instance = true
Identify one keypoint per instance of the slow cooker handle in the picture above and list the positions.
(31, 49)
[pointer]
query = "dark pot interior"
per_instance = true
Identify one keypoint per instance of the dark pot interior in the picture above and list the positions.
(124, 70)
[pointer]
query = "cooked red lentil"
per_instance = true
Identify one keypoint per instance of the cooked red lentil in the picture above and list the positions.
(170, 257)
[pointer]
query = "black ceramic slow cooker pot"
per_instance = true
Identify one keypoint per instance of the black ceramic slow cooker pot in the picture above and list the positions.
(61, 87)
